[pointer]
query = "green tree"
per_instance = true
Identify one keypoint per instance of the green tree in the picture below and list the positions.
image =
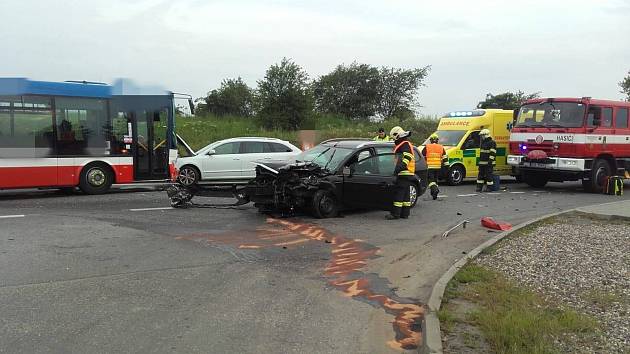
(506, 100)
(625, 86)
(398, 89)
(284, 99)
(234, 97)
(351, 91)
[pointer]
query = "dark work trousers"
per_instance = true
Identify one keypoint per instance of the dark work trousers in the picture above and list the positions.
(402, 198)
(485, 177)
(432, 176)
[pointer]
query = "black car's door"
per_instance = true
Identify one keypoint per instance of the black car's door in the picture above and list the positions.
(370, 182)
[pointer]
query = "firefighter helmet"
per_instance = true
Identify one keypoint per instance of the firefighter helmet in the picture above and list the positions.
(484, 133)
(398, 132)
(434, 138)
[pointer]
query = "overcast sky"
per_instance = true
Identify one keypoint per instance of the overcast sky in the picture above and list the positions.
(561, 48)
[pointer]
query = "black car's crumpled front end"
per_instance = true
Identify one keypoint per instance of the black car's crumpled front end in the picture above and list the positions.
(286, 188)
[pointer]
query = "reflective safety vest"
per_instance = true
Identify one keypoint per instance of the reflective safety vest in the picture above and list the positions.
(385, 138)
(407, 158)
(435, 155)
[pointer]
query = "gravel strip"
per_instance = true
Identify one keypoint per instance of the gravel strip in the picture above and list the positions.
(581, 263)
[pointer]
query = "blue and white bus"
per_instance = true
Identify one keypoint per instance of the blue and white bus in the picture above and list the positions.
(90, 135)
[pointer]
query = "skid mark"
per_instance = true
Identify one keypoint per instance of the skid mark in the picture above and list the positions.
(345, 270)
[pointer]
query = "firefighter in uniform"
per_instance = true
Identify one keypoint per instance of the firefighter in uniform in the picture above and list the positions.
(437, 161)
(405, 170)
(381, 135)
(487, 157)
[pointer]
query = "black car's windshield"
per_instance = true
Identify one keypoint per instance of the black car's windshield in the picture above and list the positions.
(448, 137)
(327, 157)
(551, 114)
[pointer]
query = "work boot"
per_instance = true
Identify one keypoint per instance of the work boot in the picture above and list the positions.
(489, 189)
(392, 217)
(434, 192)
(479, 188)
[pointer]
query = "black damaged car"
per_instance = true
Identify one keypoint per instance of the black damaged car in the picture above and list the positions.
(336, 175)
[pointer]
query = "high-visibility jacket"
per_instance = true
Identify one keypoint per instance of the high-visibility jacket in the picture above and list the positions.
(385, 138)
(436, 156)
(487, 152)
(405, 159)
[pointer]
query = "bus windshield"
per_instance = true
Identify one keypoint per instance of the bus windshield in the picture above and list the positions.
(551, 114)
(448, 137)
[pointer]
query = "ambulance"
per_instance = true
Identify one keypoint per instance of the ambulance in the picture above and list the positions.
(459, 133)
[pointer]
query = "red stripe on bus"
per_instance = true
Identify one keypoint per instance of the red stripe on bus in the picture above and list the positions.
(52, 176)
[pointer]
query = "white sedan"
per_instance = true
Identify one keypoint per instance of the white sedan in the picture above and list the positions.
(231, 161)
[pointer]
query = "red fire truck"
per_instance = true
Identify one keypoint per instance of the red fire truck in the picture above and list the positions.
(570, 139)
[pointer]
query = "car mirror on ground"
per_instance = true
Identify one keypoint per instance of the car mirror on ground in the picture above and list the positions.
(211, 152)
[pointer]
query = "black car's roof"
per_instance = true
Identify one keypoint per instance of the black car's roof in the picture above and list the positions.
(355, 143)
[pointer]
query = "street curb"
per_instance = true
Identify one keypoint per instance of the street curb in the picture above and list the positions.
(432, 338)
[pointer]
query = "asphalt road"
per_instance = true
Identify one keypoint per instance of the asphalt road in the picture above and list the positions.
(124, 272)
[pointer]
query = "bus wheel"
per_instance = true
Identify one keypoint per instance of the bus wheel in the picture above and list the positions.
(536, 180)
(599, 174)
(456, 175)
(96, 179)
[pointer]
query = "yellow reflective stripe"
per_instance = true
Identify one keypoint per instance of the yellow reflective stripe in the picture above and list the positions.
(489, 183)
(483, 162)
(432, 184)
(480, 181)
(492, 157)
(482, 150)
(493, 150)
(405, 173)
(407, 204)
(398, 204)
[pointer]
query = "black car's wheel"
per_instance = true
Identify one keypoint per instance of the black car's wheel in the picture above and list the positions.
(324, 204)
(599, 175)
(413, 195)
(188, 176)
(96, 178)
(456, 175)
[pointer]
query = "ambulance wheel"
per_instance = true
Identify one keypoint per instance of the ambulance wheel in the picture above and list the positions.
(324, 205)
(599, 175)
(536, 180)
(456, 175)
(96, 178)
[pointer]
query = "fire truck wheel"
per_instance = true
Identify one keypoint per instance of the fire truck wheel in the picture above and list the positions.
(600, 172)
(96, 178)
(536, 180)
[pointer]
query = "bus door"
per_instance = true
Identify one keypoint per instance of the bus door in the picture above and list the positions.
(151, 147)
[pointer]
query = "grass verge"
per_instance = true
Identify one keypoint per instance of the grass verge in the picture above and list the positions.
(511, 318)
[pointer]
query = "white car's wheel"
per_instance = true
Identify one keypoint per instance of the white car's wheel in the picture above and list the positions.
(188, 176)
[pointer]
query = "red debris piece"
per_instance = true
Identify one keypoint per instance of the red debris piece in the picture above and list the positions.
(493, 224)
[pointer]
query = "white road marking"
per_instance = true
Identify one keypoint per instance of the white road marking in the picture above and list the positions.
(539, 191)
(148, 209)
(467, 195)
(494, 193)
(442, 196)
(517, 192)
(11, 216)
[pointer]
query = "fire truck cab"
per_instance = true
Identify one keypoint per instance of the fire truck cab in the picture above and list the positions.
(570, 139)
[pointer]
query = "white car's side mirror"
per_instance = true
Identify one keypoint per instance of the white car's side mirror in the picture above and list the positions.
(211, 152)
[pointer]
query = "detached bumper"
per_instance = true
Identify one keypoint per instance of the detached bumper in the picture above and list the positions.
(551, 163)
